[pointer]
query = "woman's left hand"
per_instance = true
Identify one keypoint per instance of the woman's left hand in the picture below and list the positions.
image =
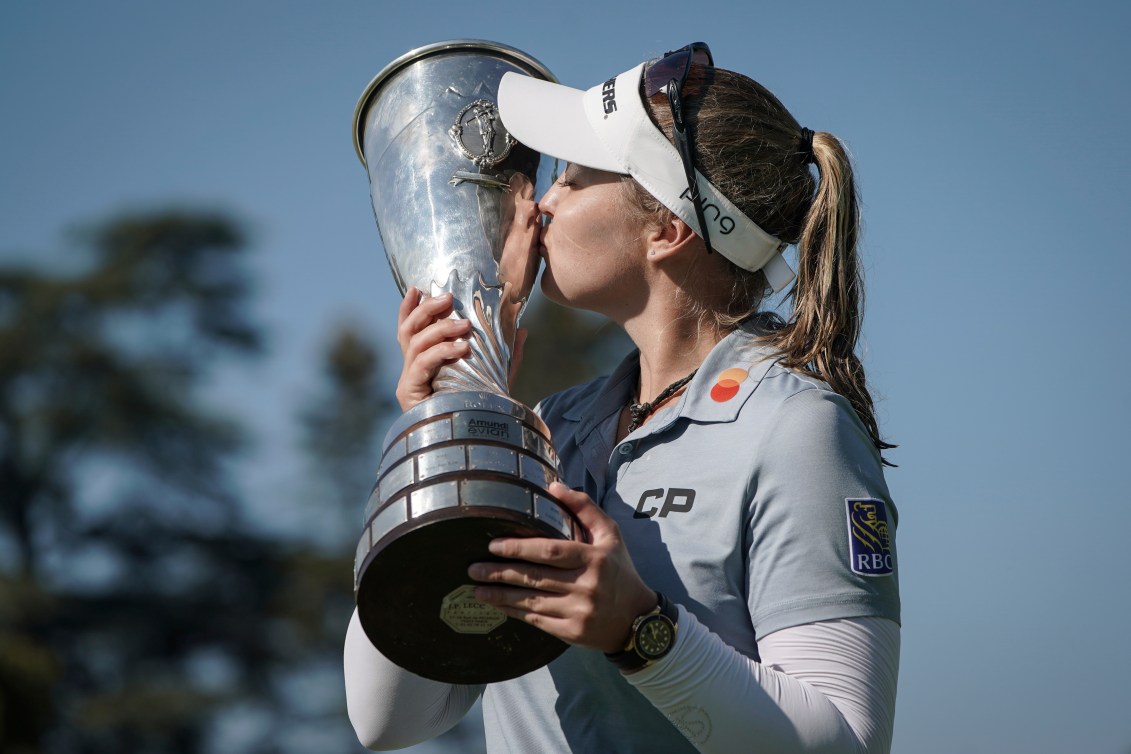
(586, 594)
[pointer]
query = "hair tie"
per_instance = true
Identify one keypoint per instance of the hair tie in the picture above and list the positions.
(807, 146)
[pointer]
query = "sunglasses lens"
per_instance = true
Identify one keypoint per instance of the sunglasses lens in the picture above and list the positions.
(672, 67)
(663, 71)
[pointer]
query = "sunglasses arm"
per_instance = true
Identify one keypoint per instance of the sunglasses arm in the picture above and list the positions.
(683, 144)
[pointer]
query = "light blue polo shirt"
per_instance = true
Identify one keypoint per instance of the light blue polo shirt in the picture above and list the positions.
(757, 501)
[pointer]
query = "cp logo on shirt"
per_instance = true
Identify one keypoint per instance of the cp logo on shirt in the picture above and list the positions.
(675, 500)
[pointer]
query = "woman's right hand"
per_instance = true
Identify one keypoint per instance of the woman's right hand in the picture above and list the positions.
(429, 339)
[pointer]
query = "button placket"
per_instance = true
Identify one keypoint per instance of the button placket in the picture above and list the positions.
(620, 459)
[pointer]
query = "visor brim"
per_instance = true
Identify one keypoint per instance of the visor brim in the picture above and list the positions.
(550, 118)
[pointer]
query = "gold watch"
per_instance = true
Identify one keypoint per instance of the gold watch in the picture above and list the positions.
(652, 637)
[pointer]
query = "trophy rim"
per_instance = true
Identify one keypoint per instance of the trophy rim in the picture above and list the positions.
(427, 51)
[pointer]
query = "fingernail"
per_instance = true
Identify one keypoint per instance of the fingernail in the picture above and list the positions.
(476, 571)
(495, 547)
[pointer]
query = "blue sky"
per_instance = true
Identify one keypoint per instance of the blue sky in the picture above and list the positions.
(993, 160)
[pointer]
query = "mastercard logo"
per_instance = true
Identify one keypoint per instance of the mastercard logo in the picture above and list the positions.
(726, 384)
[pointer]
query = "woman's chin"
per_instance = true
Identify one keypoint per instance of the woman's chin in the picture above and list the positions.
(549, 288)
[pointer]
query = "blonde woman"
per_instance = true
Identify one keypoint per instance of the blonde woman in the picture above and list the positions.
(738, 591)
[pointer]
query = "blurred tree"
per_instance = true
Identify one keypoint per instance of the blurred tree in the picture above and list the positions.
(139, 610)
(134, 601)
(340, 432)
(566, 347)
(342, 428)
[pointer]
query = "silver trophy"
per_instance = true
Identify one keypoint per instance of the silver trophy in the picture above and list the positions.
(452, 194)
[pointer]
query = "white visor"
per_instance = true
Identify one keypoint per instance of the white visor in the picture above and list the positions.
(607, 128)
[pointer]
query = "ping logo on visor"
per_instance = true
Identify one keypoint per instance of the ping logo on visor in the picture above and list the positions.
(869, 540)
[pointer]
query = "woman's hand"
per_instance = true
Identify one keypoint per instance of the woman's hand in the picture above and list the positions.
(428, 339)
(584, 594)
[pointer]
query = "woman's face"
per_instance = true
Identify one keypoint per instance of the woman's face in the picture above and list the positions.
(593, 244)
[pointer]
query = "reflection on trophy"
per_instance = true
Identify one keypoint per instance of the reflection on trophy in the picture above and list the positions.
(453, 196)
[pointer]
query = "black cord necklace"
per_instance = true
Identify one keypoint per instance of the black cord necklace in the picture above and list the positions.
(641, 411)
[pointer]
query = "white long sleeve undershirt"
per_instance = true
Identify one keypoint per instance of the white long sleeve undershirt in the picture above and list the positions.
(822, 687)
(391, 708)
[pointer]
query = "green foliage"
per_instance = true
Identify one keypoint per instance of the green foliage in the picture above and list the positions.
(566, 347)
(125, 556)
(28, 666)
(138, 605)
(105, 362)
(340, 433)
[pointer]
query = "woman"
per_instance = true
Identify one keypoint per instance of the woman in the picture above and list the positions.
(738, 590)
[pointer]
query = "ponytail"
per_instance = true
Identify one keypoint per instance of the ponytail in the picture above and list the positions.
(828, 298)
(750, 147)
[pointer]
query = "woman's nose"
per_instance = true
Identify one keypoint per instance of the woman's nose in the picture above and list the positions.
(546, 203)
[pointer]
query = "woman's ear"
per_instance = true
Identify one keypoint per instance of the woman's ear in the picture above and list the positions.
(671, 239)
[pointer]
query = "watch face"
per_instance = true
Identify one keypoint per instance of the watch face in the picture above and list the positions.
(654, 637)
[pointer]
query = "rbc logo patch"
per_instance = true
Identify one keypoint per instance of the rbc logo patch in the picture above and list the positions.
(869, 541)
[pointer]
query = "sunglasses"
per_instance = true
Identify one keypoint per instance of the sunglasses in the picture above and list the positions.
(668, 74)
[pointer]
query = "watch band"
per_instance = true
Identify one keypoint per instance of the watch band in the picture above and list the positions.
(631, 657)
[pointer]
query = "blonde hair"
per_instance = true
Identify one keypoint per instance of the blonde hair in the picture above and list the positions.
(750, 147)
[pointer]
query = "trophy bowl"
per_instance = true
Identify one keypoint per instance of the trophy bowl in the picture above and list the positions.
(453, 199)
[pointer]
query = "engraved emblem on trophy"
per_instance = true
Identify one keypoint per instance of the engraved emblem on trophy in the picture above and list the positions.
(495, 141)
(469, 464)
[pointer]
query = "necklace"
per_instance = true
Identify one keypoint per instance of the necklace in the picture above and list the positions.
(641, 411)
